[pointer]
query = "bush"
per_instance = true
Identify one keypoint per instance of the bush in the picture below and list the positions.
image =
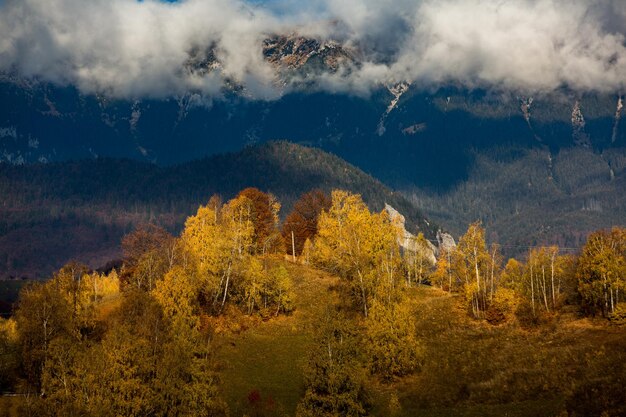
(618, 316)
(392, 344)
(502, 307)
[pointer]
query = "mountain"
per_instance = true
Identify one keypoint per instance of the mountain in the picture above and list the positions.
(411, 129)
(535, 168)
(399, 133)
(527, 196)
(59, 211)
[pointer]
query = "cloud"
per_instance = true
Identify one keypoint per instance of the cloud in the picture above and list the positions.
(532, 45)
(131, 49)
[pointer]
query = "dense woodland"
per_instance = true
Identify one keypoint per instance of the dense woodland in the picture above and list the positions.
(81, 210)
(533, 195)
(391, 332)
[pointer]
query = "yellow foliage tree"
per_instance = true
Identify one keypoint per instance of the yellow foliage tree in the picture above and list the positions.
(216, 241)
(472, 265)
(359, 246)
(177, 294)
(442, 275)
(392, 345)
(601, 270)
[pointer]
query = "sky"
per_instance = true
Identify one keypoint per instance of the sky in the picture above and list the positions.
(134, 49)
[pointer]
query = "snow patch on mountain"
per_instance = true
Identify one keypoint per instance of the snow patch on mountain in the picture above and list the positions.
(135, 115)
(579, 135)
(618, 116)
(8, 132)
(397, 90)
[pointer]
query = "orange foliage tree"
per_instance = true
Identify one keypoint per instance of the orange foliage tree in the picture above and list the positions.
(265, 208)
(301, 223)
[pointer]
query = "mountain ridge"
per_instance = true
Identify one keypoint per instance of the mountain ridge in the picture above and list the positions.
(81, 209)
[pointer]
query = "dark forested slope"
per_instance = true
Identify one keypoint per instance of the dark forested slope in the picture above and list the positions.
(51, 213)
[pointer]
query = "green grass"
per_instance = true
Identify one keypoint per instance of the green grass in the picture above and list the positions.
(470, 368)
(270, 356)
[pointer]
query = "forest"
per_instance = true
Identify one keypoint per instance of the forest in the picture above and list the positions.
(82, 209)
(322, 314)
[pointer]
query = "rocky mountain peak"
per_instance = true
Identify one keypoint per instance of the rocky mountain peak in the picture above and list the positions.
(294, 52)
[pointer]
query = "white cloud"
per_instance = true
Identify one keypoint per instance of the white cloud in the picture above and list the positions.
(134, 49)
(532, 45)
(127, 48)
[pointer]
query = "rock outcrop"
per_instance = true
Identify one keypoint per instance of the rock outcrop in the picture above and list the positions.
(407, 240)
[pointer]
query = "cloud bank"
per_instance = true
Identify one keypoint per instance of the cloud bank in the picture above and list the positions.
(131, 49)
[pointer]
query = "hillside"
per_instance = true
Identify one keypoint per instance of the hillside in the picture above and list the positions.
(532, 196)
(470, 368)
(399, 133)
(551, 162)
(80, 210)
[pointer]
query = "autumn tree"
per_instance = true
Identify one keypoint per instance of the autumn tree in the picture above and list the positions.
(223, 262)
(59, 308)
(443, 274)
(9, 353)
(601, 270)
(215, 240)
(264, 216)
(418, 260)
(148, 252)
(145, 238)
(100, 285)
(495, 270)
(509, 293)
(149, 362)
(391, 342)
(472, 264)
(333, 375)
(301, 224)
(512, 274)
(177, 294)
(543, 278)
(360, 247)
(264, 290)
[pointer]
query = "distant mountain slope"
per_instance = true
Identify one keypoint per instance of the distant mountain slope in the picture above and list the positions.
(54, 212)
(401, 134)
(463, 155)
(532, 196)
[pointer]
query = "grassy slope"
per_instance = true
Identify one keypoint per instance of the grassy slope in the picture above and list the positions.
(270, 356)
(471, 368)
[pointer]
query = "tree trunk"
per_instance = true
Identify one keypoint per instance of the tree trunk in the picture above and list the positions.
(226, 287)
(532, 288)
(449, 273)
(544, 289)
(293, 246)
(552, 279)
(363, 293)
(477, 278)
(421, 270)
